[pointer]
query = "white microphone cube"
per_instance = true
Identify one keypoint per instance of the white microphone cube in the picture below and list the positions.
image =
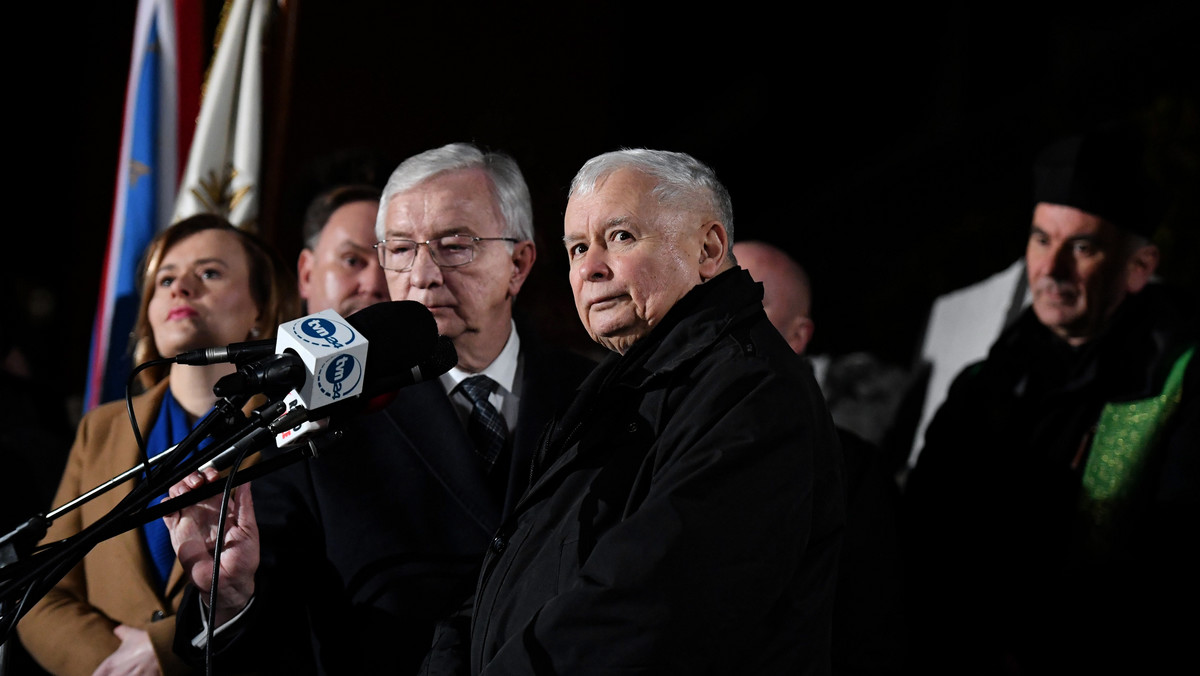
(334, 355)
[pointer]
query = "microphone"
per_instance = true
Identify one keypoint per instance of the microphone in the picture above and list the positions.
(236, 353)
(320, 353)
(273, 376)
(300, 421)
(442, 358)
(323, 357)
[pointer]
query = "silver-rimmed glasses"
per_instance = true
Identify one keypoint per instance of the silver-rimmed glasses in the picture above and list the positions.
(450, 251)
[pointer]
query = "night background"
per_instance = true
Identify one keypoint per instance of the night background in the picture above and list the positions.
(887, 150)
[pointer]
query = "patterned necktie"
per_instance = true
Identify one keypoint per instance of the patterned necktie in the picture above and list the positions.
(486, 425)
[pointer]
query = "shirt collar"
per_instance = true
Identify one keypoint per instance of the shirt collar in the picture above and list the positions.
(503, 368)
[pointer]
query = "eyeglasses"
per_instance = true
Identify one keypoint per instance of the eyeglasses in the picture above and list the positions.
(447, 252)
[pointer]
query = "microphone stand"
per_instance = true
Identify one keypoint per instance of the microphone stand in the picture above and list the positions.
(26, 575)
(310, 448)
(19, 543)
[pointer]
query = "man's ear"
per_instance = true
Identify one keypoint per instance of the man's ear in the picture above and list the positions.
(523, 255)
(1140, 268)
(714, 249)
(304, 269)
(800, 332)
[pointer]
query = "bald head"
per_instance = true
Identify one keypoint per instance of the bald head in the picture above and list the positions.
(786, 292)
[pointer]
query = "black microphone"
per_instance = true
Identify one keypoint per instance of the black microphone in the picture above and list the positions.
(404, 333)
(235, 353)
(299, 422)
(443, 358)
(274, 376)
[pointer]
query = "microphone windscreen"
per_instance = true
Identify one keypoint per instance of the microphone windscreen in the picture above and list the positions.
(400, 335)
(444, 358)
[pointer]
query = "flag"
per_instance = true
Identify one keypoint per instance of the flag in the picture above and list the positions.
(222, 174)
(160, 102)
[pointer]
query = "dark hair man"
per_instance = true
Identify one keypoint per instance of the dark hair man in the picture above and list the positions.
(338, 268)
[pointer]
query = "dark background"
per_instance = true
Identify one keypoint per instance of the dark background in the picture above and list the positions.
(888, 150)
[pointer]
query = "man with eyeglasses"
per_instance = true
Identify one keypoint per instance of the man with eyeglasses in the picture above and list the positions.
(363, 549)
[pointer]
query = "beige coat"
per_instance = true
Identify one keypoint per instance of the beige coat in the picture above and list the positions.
(70, 631)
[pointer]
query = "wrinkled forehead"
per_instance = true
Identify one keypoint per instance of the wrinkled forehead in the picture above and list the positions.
(447, 204)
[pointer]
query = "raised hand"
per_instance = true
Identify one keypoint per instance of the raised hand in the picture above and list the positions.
(194, 537)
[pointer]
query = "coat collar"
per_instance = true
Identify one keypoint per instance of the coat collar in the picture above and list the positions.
(145, 410)
(1128, 359)
(690, 328)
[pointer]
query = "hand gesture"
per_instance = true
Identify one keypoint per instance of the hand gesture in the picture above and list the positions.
(194, 537)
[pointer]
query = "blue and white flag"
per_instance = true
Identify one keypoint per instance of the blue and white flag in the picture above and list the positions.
(147, 179)
(221, 144)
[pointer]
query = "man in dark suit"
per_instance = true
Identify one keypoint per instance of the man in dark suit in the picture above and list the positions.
(364, 547)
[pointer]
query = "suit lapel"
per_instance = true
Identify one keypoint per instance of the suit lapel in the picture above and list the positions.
(427, 424)
(543, 392)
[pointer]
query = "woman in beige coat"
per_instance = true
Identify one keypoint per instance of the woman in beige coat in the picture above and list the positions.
(205, 283)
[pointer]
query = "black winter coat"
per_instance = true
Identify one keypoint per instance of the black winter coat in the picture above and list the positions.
(1015, 566)
(685, 516)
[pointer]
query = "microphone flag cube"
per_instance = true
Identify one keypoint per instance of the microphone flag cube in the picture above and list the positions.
(334, 355)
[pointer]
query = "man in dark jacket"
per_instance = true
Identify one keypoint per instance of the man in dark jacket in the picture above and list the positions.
(1049, 514)
(686, 511)
(365, 547)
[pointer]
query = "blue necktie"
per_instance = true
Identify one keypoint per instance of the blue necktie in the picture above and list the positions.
(486, 425)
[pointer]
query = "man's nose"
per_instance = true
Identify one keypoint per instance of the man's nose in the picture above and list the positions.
(1061, 262)
(594, 266)
(424, 272)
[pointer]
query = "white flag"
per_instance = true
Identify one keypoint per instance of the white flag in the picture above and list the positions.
(223, 167)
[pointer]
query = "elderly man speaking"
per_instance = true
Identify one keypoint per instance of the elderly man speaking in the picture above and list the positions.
(685, 513)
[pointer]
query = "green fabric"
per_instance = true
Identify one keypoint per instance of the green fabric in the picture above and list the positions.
(1126, 435)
